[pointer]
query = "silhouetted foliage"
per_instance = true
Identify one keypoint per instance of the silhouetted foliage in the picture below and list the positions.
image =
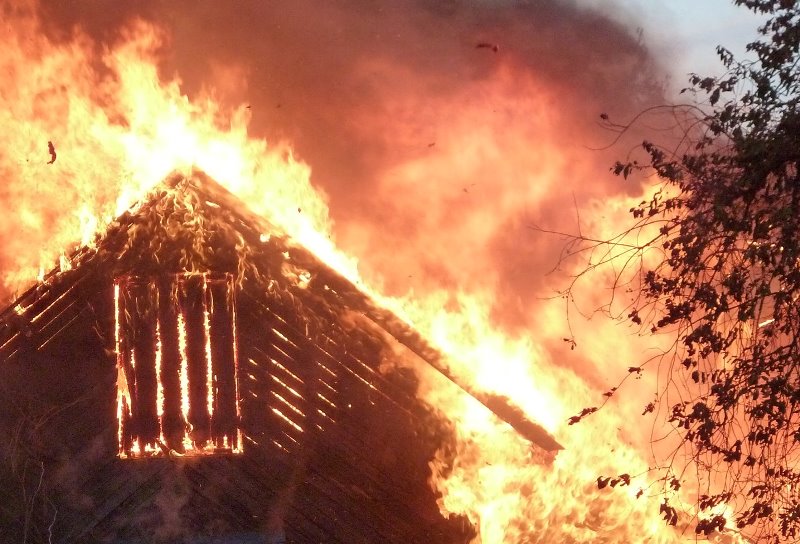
(725, 226)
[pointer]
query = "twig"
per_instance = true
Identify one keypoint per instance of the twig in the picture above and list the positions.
(50, 527)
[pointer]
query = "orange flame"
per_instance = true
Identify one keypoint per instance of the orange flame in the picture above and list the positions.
(119, 135)
(209, 364)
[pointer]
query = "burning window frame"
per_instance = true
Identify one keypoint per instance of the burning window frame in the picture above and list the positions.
(177, 363)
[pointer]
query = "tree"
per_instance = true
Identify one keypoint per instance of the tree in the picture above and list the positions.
(725, 226)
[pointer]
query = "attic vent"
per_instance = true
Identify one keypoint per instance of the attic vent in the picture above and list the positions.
(177, 382)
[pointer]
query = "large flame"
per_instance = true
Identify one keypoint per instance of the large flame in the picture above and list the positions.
(117, 129)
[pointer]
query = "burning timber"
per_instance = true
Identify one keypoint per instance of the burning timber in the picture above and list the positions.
(191, 376)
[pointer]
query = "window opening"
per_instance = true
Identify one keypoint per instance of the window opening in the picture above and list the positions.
(177, 379)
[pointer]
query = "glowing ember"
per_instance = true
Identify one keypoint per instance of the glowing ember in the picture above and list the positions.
(184, 370)
(175, 376)
(210, 379)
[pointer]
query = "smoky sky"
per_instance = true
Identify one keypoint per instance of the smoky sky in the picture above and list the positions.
(371, 94)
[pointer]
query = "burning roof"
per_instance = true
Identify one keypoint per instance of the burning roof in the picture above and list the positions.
(315, 379)
(190, 224)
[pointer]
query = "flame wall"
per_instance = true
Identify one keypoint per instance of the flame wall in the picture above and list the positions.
(425, 138)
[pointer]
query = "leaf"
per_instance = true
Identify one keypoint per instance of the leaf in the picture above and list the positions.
(669, 513)
(585, 412)
(710, 525)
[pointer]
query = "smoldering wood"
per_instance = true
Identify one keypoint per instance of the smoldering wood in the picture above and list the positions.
(191, 297)
(128, 426)
(172, 422)
(140, 309)
(220, 304)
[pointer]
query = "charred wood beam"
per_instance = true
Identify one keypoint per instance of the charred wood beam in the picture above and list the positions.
(390, 328)
(141, 305)
(191, 298)
(220, 295)
(172, 423)
(126, 375)
(178, 386)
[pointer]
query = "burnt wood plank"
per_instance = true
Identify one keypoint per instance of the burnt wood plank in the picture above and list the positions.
(220, 303)
(192, 299)
(172, 422)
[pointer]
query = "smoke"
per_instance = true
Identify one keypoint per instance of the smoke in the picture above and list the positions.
(439, 130)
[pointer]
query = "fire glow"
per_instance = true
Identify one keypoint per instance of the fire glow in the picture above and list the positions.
(177, 391)
(120, 135)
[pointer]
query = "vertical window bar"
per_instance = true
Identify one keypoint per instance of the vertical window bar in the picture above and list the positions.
(191, 298)
(223, 354)
(172, 421)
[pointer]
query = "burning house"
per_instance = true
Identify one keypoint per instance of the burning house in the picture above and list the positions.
(194, 375)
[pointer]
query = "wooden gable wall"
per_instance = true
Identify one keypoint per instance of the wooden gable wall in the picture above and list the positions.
(335, 449)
